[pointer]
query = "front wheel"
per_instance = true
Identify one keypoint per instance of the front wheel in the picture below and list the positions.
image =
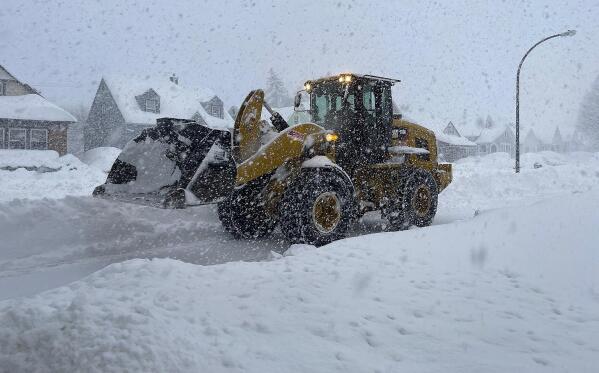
(243, 214)
(317, 207)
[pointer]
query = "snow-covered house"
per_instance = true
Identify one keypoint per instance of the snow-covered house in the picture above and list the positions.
(499, 138)
(123, 107)
(532, 143)
(451, 145)
(536, 142)
(28, 120)
(490, 137)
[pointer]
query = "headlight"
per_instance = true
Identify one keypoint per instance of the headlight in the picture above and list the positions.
(345, 78)
(331, 137)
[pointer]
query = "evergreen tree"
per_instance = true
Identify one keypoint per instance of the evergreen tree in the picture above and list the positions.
(480, 122)
(489, 122)
(588, 117)
(276, 93)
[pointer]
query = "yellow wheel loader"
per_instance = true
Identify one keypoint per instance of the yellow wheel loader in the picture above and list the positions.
(312, 179)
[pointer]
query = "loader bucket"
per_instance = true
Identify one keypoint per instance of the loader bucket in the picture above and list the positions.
(174, 164)
(247, 135)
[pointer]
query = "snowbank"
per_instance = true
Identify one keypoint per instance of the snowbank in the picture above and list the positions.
(36, 174)
(488, 182)
(510, 289)
(15, 158)
(101, 158)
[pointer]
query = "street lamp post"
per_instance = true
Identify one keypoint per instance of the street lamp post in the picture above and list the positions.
(567, 33)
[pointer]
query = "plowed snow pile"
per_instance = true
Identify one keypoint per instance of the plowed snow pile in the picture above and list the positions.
(37, 174)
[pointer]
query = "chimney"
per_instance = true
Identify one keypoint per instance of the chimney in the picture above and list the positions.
(174, 79)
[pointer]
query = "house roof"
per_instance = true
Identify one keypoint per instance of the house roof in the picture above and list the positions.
(32, 107)
(453, 140)
(488, 135)
(438, 128)
(175, 101)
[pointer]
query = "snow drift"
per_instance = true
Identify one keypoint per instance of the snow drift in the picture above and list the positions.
(37, 174)
(510, 289)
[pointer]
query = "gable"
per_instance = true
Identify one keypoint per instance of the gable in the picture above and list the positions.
(451, 130)
(214, 107)
(104, 107)
(5, 75)
(214, 101)
(149, 101)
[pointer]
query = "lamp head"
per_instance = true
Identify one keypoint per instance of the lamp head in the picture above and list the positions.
(568, 33)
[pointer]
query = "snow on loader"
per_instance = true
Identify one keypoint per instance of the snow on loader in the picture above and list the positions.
(314, 179)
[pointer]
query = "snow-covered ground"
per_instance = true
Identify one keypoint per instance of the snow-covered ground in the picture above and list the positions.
(505, 279)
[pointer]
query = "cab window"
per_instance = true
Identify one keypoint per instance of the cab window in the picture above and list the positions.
(423, 144)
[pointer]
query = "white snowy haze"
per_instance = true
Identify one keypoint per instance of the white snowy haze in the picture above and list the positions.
(450, 55)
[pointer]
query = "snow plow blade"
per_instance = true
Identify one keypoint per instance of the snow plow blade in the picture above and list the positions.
(175, 164)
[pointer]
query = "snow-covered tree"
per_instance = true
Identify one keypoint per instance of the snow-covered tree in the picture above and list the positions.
(276, 93)
(588, 117)
(480, 122)
(489, 122)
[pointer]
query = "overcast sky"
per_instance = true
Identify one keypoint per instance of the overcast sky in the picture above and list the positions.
(450, 55)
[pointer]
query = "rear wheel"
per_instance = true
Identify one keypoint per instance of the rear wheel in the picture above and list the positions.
(416, 203)
(317, 207)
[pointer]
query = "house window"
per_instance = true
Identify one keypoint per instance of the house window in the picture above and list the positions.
(2, 88)
(151, 106)
(39, 139)
(1, 138)
(17, 138)
(215, 111)
(104, 109)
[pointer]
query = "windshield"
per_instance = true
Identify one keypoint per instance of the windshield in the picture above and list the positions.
(330, 99)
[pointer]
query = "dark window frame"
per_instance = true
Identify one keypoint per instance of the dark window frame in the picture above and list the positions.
(155, 108)
(45, 142)
(10, 140)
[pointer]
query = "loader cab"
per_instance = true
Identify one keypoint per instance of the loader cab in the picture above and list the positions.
(359, 109)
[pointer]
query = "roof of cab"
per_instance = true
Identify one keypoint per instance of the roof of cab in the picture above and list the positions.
(364, 76)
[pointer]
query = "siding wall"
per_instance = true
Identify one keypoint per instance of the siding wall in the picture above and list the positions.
(57, 133)
(16, 88)
(451, 153)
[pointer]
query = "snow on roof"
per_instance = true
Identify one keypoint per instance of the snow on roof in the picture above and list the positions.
(32, 107)
(175, 101)
(453, 140)
(488, 135)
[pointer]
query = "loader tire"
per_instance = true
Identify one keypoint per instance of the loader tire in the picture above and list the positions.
(224, 215)
(244, 216)
(417, 202)
(317, 207)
